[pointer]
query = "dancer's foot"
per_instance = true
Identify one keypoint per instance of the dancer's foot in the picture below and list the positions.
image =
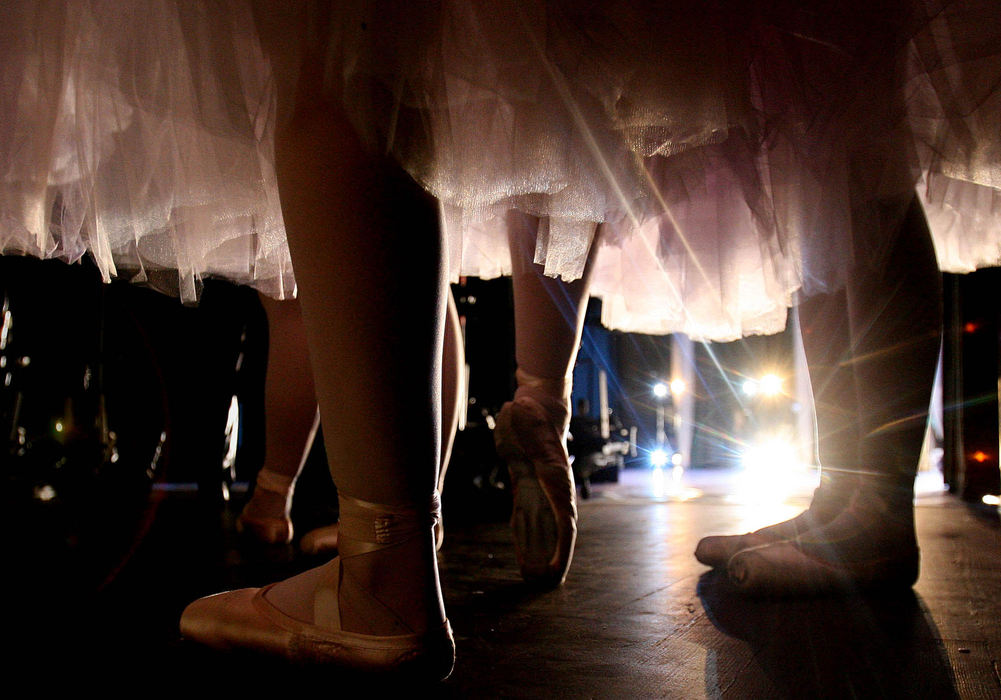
(828, 502)
(376, 607)
(870, 545)
(544, 515)
(266, 515)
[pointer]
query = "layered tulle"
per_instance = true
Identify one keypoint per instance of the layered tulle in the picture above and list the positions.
(727, 159)
(954, 99)
(720, 159)
(141, 133)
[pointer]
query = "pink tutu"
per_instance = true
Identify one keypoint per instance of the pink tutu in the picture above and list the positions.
(719, 158)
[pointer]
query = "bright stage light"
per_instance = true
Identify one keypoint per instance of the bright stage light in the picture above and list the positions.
(658, 458)
(770, 385)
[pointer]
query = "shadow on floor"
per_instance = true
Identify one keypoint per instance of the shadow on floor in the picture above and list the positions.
(882, 645)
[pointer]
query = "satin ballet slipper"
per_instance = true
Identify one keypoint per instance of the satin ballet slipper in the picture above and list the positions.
(544, 514)
(247, 621)
(862, 549)
(828, 501)
(268, 529)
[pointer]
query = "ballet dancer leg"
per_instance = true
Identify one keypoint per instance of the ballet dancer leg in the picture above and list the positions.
(894, 322)
(827, 342)
(368, 258)
(453, 364)
(531, 430)
(290, 425)
(291, 421)
(324, 539)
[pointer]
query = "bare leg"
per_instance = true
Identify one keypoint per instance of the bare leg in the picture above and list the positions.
(548, 313)
(531, 430)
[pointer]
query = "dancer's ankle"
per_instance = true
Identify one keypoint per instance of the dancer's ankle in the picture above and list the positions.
(272, 495)
(391, 591)
(552, 394)
(389, 576)
(385, 582)
(265, 516)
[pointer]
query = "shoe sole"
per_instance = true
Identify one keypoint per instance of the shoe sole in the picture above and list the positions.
(533, 525)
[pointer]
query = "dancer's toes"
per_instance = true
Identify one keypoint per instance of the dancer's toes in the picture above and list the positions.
(375, 607)
(716, 550)
(828, 502)
(784, 569)
(849, 555)
(233, 621)
(536, 538)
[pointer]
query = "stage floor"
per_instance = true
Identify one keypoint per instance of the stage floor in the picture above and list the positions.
(638, 616)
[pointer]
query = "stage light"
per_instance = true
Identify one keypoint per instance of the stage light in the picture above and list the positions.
(658, 458)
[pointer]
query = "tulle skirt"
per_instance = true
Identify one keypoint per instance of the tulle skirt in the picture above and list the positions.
(954, 109)
(719, 159)
(141, 133)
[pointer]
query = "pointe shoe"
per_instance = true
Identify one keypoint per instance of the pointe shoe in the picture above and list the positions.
(322, 540)
(828, 501)
(268, 529)
(244, 620)
(247, 621)
(544, 514)
(858, 551)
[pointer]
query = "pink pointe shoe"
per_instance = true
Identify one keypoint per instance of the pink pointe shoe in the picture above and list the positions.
(544, 515)
(828, 502)
(247, 621)
(266, 528)
(869, 546)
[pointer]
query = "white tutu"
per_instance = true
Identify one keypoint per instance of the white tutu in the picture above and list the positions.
(720, 158)
(133, 132)
(954, 99)
(724, 158)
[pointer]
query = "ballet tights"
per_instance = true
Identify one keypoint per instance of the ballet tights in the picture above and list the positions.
(290, 407)
(368, 258)
(872, 351)
(548, 320)
(291, 404)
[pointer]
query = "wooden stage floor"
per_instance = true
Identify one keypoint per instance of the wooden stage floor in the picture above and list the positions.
(637, 618)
